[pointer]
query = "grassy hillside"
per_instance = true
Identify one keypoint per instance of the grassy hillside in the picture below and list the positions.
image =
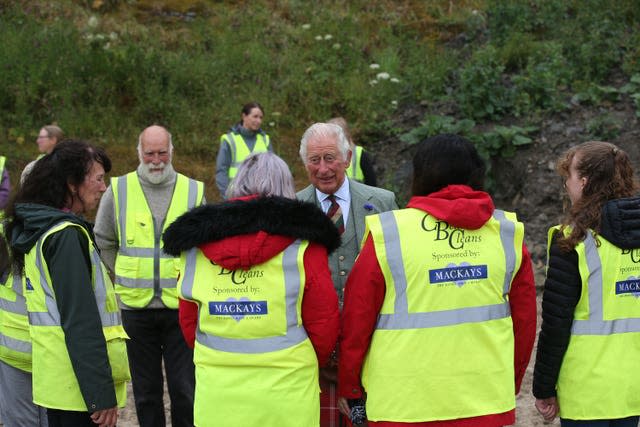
(105, 69)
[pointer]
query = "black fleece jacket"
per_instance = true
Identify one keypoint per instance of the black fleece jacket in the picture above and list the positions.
(563, 285)
(274, 215)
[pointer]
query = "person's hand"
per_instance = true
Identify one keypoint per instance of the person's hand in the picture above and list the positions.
(105, 417)
(343, 406)
(548, 408)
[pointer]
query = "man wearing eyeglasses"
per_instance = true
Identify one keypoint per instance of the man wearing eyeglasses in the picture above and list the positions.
(134, 212)
(326, 154)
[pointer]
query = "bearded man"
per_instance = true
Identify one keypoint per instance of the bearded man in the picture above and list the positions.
(134, 212)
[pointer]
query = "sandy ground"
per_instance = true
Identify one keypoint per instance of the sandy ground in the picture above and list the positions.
(526, 414)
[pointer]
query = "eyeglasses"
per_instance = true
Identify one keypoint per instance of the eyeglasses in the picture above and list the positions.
(43, 136)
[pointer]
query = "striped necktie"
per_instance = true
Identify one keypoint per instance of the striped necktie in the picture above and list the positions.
(335, 213)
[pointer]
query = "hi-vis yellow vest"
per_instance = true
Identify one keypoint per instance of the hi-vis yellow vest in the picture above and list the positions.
(142, 268)
(599, 376)
(15, 342)
(354, 171)
(54, 382)
(254, 362)
(240, 151)
(443, 345)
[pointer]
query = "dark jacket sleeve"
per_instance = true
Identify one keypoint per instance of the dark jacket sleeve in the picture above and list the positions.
(366, 164)
(562, 289)
(5, 188)
(320, 314)
(70, 269)
(223, 162)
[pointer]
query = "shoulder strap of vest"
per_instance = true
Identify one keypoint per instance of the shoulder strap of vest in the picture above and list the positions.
(195, 189)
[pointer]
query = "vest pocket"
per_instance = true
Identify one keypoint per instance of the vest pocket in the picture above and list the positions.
(127, 266)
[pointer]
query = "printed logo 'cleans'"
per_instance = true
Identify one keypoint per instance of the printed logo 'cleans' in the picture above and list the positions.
(238, 308)
(458, 274)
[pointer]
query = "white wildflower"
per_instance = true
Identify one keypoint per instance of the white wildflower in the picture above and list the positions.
(306, 26)
(336, 46)
(93, 22)
(394, 103)
(374, 66)
(328, 36)
(113, 35)
(272, 124)
(373, 82)
(382, 76)
(394, 80)
(318, 38)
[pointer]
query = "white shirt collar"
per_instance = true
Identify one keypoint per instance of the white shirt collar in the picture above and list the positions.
(342, 194)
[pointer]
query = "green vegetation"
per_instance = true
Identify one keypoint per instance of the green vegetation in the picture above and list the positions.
(103, 70)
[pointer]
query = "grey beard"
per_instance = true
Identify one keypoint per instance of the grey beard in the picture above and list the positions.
(155, 177)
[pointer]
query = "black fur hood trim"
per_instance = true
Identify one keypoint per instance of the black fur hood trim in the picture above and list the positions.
(273, 215)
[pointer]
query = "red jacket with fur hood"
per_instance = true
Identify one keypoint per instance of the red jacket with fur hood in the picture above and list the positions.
(244, 232)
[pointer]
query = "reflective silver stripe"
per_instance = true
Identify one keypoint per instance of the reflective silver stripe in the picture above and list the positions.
(51, 317)
(295, 333)
(402, 319)
(107, 318)
(41, 318)
(121, 182)
(19, 306)
(232, 147)
(394, 258)
(192, 198)
(14, 344)
(596, 325)
(17, 285)
(137, 252)
(507, 238)
(444, 317)
(355, 162)
(189, 274)
(128, 282)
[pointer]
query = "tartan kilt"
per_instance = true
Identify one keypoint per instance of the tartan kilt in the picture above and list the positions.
(330, 415)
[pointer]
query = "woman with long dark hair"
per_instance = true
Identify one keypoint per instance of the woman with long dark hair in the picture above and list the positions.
(79, 359)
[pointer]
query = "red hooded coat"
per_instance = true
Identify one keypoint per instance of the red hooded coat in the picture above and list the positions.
(461, 207)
